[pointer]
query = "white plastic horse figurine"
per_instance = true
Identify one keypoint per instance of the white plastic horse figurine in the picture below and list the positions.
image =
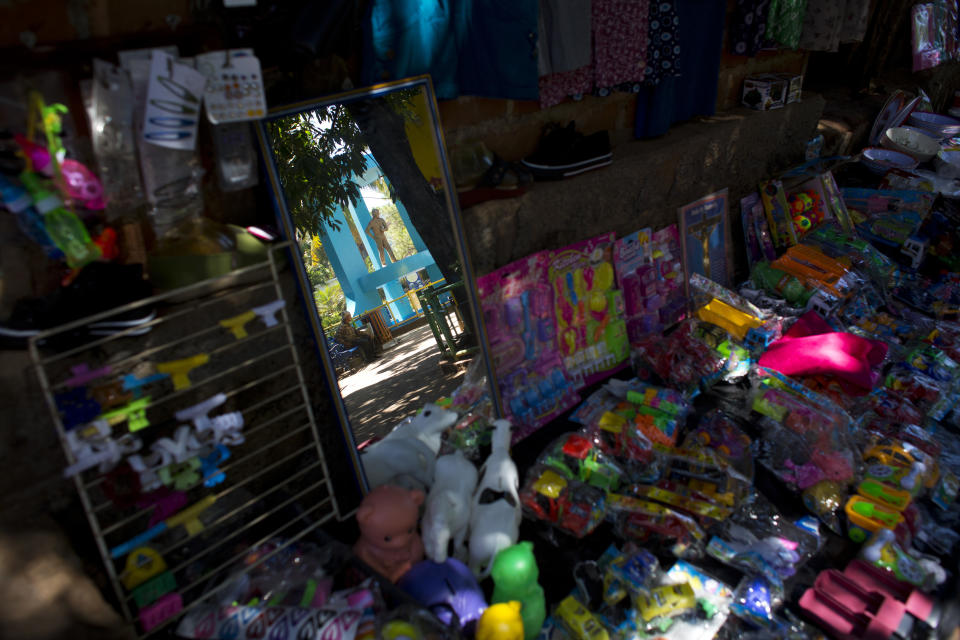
(494, 525)
(447, 513)
(406, 456)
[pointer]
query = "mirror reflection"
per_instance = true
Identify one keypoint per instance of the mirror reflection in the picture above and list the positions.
(364, 191)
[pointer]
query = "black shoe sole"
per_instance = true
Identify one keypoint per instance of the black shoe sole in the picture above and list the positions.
(559, 171)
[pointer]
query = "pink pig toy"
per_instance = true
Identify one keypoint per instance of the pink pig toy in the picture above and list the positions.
(389, 541)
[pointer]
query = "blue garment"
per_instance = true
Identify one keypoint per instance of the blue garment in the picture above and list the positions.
(404, 38)
(469, 47)
(694, 93)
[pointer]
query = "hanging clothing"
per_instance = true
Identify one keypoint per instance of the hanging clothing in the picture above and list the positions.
(830, 22)
(785, 22)
(620, 41)
(620, 44)
(699, 33)
(663, 52)
(498, 56)
(469, 47)
(748, 27)
(564, 41)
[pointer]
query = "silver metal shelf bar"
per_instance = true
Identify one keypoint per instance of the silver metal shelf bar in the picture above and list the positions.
(195, 287)
(246, 526)
(259, 474)
(224, 469)
(215, 299)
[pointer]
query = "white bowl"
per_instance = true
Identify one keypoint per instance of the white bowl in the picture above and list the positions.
(880, 160)
(938, 125)
(947, 164)
(910, 141)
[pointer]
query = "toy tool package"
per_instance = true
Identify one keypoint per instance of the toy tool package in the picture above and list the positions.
(517, 306)
(650, 274)
(591, 331)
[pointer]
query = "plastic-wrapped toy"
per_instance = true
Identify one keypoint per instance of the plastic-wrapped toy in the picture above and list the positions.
(447, 513)
(680, 359)
(389, 541)
(63, 226)
(445, 586)
(576, 457)
(578, 622)
(575, 507)
(883, 551)
(517, 305)
(722, 433)
(658, 608)
(825, 500)
(642, 520)
(515, 576)
(495, 512)
(755, 599)
(865, 517)
(589, 310)
(650, 274)
(501, 621)
(629, 575)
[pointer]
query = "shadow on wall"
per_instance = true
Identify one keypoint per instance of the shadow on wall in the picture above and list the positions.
(44, 593)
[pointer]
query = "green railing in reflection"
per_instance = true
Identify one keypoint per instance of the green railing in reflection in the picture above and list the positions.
(441, 310)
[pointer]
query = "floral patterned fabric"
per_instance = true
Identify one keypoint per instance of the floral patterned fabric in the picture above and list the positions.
(748, 27)
(620, 40)
(620, 49)
(663, 54)
(785, 22)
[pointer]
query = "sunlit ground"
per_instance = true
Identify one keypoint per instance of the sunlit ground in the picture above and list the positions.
(396, 385)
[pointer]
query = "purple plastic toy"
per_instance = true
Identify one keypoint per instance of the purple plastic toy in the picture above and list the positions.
(449, 583)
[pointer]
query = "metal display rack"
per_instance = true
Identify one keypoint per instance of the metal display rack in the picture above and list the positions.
(274, 486)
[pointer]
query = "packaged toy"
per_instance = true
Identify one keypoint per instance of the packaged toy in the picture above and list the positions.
(591, 333)
(578, 622)
(575, 456)
(569, 504)
(650, 273)
(884, 552)
(680, 359)
(518, 309)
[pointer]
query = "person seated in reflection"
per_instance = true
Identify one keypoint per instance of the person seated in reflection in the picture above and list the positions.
(350, 336)
(377, 229)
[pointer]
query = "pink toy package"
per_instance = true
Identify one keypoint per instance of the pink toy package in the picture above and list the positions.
(589, 309)
(517, 306)
(650, 274)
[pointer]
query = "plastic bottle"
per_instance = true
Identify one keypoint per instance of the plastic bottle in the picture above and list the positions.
(19, 202)
(65, 228)
(781, 282)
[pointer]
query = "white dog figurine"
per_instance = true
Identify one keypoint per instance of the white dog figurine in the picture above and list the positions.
(447, 513)
(495, 516)
(407, 454)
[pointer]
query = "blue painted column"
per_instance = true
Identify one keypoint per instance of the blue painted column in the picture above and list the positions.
(348, 264)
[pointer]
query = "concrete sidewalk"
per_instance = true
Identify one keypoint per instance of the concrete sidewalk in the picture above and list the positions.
(397, 384)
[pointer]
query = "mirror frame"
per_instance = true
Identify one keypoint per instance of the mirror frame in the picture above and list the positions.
(287, 229)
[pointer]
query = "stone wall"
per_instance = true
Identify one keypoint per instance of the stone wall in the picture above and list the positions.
(646, 183)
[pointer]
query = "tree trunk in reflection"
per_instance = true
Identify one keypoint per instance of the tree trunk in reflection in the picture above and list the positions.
(384, 133)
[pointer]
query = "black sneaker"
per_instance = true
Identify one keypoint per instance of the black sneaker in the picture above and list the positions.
(563, 152)
(98, 287)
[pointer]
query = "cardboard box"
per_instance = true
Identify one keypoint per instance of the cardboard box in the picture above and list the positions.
(771, 90)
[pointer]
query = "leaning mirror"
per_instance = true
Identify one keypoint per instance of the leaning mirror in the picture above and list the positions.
(361, 184)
